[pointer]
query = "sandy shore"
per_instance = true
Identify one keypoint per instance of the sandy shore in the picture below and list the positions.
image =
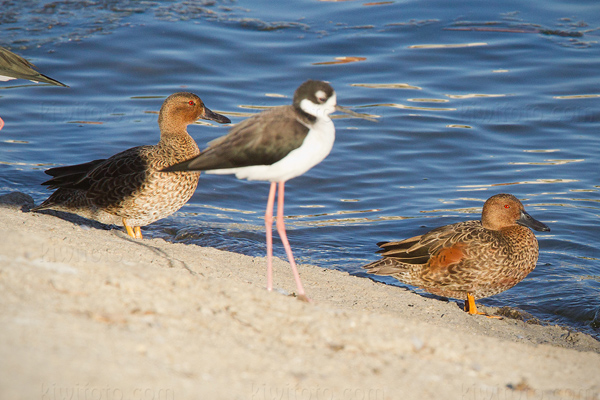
(88, 313)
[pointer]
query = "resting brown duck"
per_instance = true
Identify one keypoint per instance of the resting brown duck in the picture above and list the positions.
(467, 260)
(129, 185)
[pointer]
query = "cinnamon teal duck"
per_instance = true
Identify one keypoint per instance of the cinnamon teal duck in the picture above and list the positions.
(13, 66)
(129, 185)
(275, 145)
(467, 260)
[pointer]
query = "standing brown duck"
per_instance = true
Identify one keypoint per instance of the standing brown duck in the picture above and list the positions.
(467, 260)
(129, 185)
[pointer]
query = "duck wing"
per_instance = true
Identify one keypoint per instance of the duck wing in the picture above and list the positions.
(69, 174)
(106, 182)
(445, 244)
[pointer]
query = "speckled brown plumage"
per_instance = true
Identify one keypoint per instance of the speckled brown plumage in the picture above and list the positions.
(129, 185)
(468, 259)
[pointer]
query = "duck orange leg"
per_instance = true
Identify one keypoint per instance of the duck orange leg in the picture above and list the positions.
(471, 308)
(135, 232)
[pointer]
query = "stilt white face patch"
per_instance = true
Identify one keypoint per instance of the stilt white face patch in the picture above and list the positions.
(319, 110)
(321, 96)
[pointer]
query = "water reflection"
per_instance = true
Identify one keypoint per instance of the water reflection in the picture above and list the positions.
(16, 141)
(546, 162)
(473, 95)
(459, 126)
(402, 106)
(577, 96)
(529, 182)
(428, 100)
(445, 46)
(341, 60)
(386, 86)
(378, 3)
(541, 150)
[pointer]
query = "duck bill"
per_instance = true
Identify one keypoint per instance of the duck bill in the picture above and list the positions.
(530, 222)
(213, 116)
(354, 114)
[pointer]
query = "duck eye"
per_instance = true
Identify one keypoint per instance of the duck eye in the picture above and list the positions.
(191, 103)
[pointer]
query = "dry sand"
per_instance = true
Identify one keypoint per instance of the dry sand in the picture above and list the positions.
(88, 313)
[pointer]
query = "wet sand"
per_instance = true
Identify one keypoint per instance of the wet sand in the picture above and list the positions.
(89, 313)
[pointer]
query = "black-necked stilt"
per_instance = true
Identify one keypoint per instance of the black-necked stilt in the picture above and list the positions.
(13, 66)
(129, 185)
(276, 145)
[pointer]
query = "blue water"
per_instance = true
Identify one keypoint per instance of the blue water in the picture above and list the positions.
(500, 107)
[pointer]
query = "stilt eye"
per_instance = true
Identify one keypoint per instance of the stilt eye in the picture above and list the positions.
(506, 206)
(321, 96)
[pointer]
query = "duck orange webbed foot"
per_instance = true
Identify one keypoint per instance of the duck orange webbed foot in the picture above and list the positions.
(471, 308)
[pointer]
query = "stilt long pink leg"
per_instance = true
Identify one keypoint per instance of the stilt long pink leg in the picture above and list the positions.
(286, 244)
(1, 123)
(269, 230)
